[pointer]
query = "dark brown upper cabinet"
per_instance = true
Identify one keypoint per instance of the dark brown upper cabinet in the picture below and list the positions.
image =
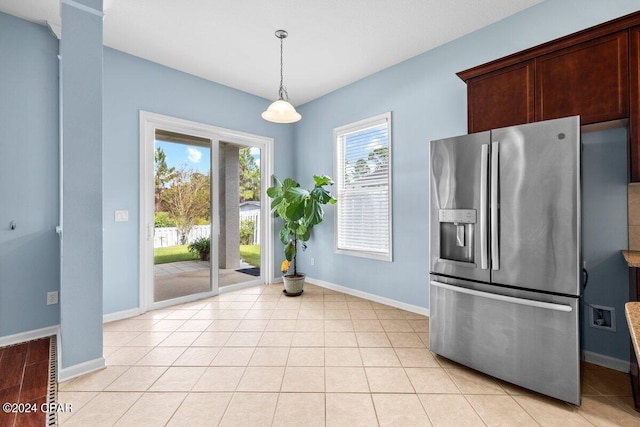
(594, 73)
(590, 79)
(501, 98)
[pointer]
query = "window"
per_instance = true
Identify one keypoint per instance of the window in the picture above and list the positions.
(363, 178)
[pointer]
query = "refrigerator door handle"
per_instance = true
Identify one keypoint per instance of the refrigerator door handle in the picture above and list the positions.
(495, 249)
(505, 298)
(484, 196)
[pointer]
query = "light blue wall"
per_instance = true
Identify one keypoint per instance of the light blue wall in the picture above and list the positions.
(30, 254)
(426, 98)
(132, 84)
(82, 258)
(427, 101)
(604, 215)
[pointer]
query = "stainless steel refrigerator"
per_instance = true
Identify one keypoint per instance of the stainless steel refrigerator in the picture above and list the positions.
(505, 254)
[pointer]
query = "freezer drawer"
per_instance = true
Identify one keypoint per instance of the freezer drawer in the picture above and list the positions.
(511, 335)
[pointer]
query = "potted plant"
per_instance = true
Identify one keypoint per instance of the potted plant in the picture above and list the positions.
(202, 247)
(300, 210)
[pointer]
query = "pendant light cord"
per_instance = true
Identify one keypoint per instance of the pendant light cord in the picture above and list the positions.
(282, 93)
(281, 110)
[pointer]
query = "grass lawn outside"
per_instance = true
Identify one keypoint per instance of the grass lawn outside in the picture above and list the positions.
(173, 254)
(249, 254)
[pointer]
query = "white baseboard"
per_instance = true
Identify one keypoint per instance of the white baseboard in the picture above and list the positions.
(371, 297)
(119, 315)
(606, 361)
(74, 371)
(29, 335)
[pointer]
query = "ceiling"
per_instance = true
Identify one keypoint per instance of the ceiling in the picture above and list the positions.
(331, 43)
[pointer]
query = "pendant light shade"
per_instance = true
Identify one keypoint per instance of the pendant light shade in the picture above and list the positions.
(281, 111)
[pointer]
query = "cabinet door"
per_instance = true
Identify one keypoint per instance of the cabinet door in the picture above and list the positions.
(589, 79)
(501, 98)
(634, 104)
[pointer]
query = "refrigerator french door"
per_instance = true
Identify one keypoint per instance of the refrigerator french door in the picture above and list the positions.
(505, 250)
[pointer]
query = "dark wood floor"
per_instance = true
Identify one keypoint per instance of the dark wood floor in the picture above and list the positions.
(24, 377)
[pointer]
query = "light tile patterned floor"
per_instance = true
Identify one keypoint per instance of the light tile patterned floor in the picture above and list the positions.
(257, 358)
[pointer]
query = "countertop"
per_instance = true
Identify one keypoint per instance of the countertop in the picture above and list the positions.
(632, 312)
(633, 259)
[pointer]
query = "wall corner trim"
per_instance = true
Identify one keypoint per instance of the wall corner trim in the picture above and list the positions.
(74, 371)
(606, 361)
(29, 335)
(371, 297)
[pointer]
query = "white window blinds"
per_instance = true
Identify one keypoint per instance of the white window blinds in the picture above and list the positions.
(363, 174)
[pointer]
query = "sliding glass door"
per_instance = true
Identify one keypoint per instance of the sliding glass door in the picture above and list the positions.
(240, 192)
(203, 223)
(182, 216)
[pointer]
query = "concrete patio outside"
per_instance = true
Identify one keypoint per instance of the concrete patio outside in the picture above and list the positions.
(176, 279)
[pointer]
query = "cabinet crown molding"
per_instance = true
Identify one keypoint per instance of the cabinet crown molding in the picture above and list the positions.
(606, 28)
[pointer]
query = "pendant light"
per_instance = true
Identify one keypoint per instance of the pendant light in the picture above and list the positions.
(281, 111)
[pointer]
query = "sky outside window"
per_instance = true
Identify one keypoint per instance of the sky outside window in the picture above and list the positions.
(192, 156)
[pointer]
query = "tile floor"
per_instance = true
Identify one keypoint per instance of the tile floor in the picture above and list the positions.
(257, 358)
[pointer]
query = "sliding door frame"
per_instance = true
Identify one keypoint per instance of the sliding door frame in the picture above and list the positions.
(149, 122)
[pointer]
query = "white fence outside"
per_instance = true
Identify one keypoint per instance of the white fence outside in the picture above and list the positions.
(169, 236)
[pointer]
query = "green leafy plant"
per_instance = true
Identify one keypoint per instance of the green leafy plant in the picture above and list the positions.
(202, 247)
(162, 219)
(247, 227)
(300, 210)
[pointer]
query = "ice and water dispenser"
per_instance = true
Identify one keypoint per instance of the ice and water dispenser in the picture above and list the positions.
(457, 228)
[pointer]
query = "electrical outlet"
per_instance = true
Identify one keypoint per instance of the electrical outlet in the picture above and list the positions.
(313, 261)
(52, 298)
(602, 317)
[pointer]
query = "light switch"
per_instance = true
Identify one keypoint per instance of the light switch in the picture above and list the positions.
(122, 216)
